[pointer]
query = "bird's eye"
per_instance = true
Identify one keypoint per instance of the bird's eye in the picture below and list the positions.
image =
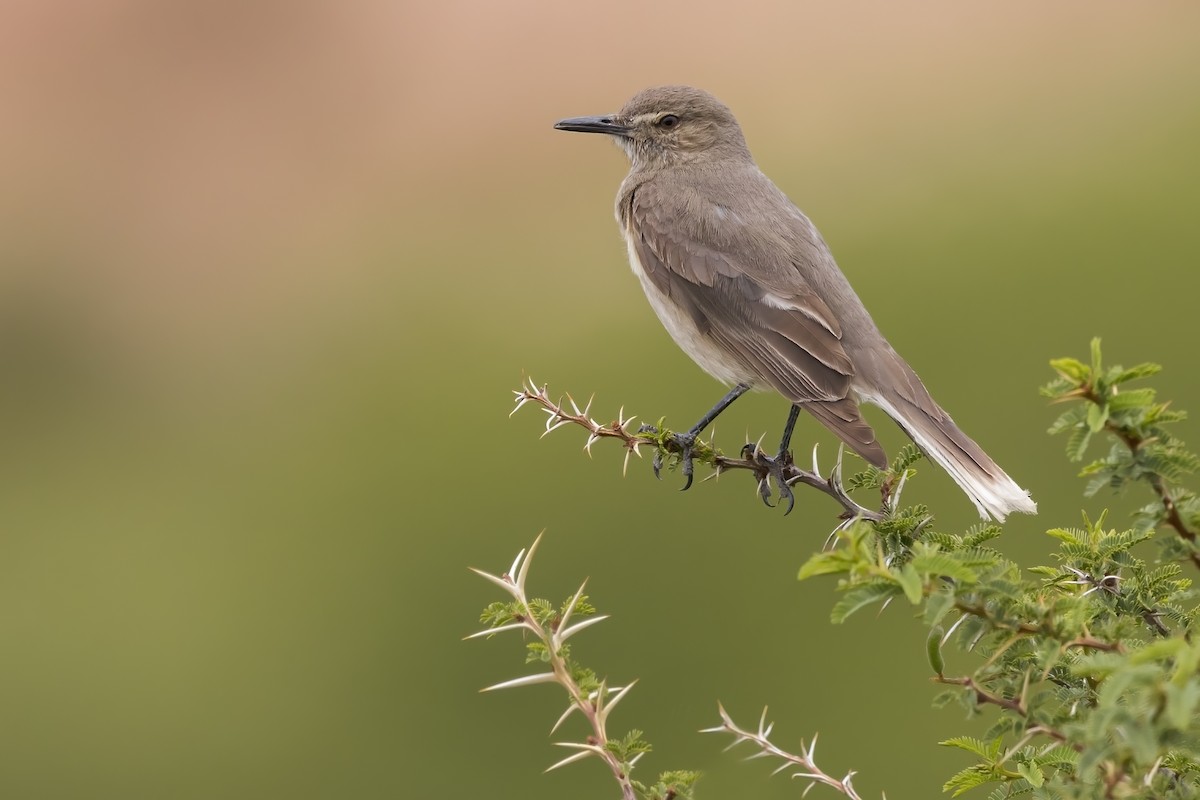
(668, 121)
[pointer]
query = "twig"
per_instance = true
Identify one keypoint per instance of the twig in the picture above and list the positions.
(981, 694)
(805, 760)
(596, 706)
(633, 440)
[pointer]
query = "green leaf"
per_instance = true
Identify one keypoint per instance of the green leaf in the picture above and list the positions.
(860, 596)
(1031, 773)
(1071, 369)
(1077, 443)
(827, 563)
(910, 581)
(675, 784)
(908, 455)
(630, 745)
(1134, 398)
(1059, 757)
(1096, 417)
(969, 778)
(1066, 421)
(1158, 651)
(970, 744)
(933, 562)
(869, 478)
(1133, 373)
(497, 613)
(535, 652)
(1181, 704)
(937, 606)
(1068, 535)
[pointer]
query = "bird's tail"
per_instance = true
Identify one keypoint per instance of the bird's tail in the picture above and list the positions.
(989, 487)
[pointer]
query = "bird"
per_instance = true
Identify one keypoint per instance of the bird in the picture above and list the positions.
(747, 287)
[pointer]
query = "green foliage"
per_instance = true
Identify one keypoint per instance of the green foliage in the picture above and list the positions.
(1144, 447)
(900, 469)
(628, 747)
(673, 785)
(1089, 658)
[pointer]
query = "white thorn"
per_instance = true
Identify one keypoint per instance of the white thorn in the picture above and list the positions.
(572, 707)
(582, 754)
(554, 427)
(506, 585)
(616, 698)
(590, 748)
(526, 680)
(523, 571)
(953, 628)
(516, 563)
(566, 633)
(513, 626)
(894, 500)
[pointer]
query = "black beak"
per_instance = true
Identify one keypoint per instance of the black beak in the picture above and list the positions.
(606, 124)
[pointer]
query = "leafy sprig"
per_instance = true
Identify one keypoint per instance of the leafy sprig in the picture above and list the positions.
(551, 625)
(1144, 448)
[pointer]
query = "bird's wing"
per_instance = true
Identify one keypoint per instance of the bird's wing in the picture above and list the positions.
(790, 338)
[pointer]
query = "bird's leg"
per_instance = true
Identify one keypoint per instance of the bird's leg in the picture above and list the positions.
(773, 467)
(686, 441)
(793, 415)
(783, 459)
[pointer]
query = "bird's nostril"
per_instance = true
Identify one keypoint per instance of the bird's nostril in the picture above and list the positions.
(606, 120)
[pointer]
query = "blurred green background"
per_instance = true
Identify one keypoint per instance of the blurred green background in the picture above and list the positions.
(269, 271)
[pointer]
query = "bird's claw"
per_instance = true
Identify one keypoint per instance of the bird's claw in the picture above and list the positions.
(685, 442)
(767, 468)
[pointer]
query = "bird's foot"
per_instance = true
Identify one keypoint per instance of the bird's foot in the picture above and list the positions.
(681, 444)
(766, 468)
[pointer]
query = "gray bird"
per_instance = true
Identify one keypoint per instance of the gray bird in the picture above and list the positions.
(747, 287)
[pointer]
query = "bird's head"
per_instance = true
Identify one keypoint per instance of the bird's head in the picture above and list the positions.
(668, 125)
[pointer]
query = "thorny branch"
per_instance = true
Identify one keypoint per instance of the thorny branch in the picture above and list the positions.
(633, 439)
(805, 760)
(595, 706)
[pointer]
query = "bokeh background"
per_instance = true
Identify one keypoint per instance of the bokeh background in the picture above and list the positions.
(269, 270)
